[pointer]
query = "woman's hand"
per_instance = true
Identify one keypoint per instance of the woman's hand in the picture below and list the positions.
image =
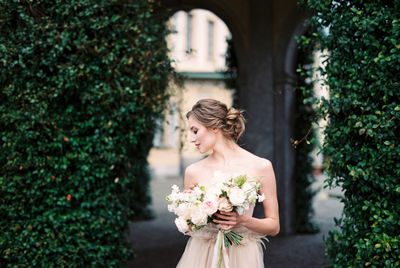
(229, 220)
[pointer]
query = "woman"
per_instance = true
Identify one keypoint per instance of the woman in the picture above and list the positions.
(215, 127)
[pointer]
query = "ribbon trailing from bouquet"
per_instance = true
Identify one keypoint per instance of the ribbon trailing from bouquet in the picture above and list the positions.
(220, 252)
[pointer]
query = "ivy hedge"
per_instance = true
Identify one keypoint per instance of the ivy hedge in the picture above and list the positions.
(81, 85)
(362, 137)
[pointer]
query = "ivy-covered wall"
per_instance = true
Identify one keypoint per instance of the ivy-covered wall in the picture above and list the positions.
(81, 84)
(362, 136)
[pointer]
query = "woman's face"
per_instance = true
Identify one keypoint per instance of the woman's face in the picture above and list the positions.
(203, 138)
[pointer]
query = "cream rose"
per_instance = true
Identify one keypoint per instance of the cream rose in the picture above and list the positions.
(210, 207)
(236, 196)
(224, 205)
(183, 211)
(199, 217)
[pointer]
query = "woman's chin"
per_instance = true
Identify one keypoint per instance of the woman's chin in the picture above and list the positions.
(202, 151)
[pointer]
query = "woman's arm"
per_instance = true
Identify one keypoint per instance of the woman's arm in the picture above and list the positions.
(270, 224)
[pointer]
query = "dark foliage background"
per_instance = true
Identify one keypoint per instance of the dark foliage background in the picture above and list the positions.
(306, 141)
(81, 84)
(362, 136)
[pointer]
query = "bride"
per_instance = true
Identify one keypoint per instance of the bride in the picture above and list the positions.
(214, 127)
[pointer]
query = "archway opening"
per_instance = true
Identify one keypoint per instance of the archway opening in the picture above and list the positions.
(198, 47)
(273, 84)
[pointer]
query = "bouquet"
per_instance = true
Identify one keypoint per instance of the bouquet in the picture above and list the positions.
(196, 207)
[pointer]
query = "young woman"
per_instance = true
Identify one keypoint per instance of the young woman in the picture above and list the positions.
(214, 127)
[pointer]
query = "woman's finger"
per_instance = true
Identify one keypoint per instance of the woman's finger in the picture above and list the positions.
(225, 227)
(232, 213)
(224, 216)
(225, 222)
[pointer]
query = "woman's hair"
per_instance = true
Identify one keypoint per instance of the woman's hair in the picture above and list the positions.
(215, 114)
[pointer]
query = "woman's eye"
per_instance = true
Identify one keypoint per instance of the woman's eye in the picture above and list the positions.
(195, 131)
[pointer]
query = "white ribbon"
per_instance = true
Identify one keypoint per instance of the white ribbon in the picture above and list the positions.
(220, 252)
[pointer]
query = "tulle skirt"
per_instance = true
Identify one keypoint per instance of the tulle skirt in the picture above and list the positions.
(200, 250)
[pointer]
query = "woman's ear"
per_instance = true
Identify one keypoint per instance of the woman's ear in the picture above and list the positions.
(215, 130)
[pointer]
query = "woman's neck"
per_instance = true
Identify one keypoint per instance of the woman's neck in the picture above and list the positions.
(224, 151)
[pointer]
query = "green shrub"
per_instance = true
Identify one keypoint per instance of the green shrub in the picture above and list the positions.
(362, 136)
(81, 84)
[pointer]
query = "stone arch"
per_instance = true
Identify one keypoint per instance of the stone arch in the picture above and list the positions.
(224, 11)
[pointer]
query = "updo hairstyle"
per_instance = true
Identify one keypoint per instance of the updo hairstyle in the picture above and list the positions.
(215, 114)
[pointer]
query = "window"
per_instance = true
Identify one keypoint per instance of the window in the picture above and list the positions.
(189, 33)
(167, 129)
(158, 140)
(210, 40)
(173, 124)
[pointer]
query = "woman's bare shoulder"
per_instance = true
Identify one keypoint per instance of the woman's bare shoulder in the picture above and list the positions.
(264, 163)
(258, 163)
(259, 166)
(193, 171)
(265, 170)
(196, 166)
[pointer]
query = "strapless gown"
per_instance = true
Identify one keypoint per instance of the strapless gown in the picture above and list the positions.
(199, 251)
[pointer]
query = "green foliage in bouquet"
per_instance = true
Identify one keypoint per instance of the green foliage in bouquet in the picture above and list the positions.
(362, 136)
(240, 180)
(81, 85)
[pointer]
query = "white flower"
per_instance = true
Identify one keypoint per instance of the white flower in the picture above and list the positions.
(220, 187)
(236, 196)
(199, 217)
(183, 210)
(171, 208)
(182, 225)
(261, 197)
(210, 207)
(212, 194)
(253, 198)
(190, 197)
(175, 188)
(240, 210)
(248, 187)
(197, 191)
